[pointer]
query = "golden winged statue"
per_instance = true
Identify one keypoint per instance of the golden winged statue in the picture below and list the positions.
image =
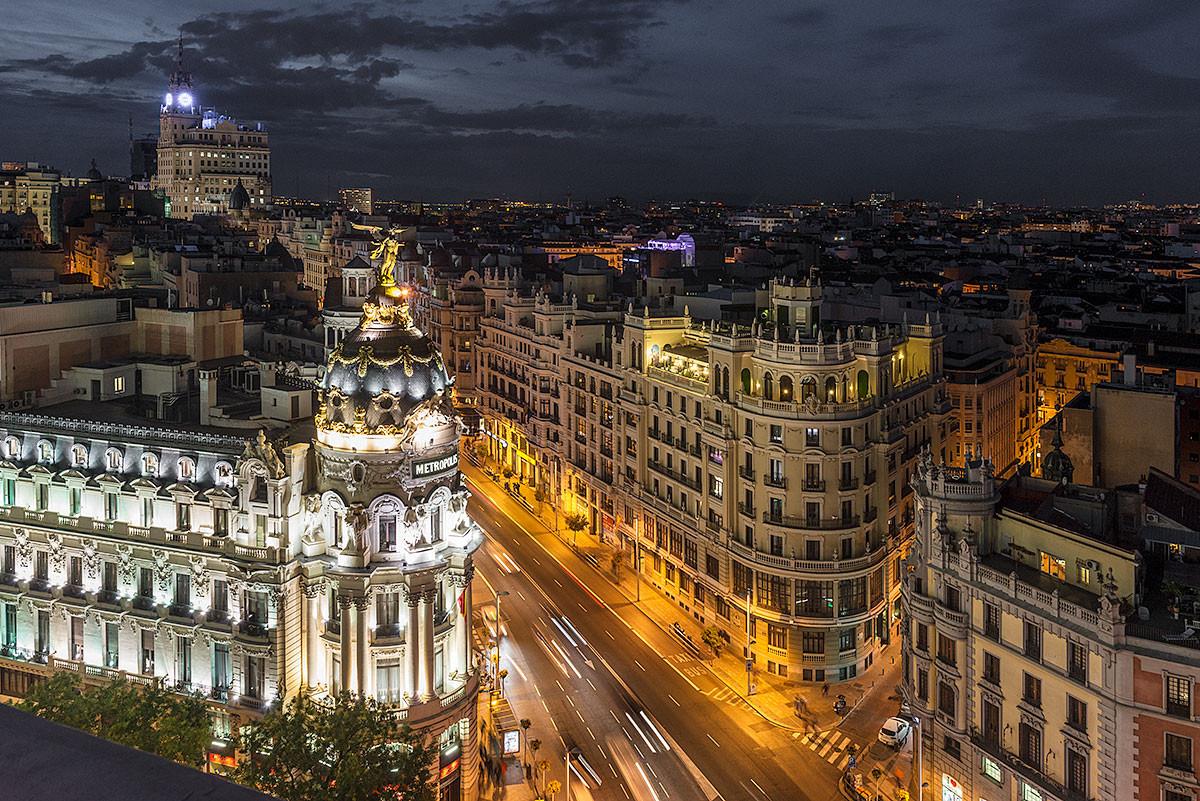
(387, 251)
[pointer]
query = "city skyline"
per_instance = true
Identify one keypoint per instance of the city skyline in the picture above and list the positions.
(544, 99)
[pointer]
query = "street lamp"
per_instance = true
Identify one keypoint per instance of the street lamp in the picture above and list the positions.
(499, 633)
(749, 646)
(920, 767)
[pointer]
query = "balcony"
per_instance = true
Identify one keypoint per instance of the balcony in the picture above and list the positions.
(746, 509)
(779, 482)
(746, 473)
(811, 523)
(782, 562)
(869, 478)
(847, 484)
(814, 485)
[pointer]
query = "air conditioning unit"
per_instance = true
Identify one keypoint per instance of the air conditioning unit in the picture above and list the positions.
(1092, 564)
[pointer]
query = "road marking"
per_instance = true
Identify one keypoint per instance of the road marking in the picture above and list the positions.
(547, 707)
(664, 789)
(673, 699)
(589, 681)
(589, 731)
(614, 639)
(559, 583)
(534, 558)
(639, 664)
(623, 790)
(760, 789)
(614, 714)
(651, 769)
(559, 683)
(581, 720)
(714, 742)
(521, 596)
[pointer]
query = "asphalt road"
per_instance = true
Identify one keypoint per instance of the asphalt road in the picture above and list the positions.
(646, 714)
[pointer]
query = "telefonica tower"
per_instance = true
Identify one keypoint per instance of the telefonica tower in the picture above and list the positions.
(208, 163)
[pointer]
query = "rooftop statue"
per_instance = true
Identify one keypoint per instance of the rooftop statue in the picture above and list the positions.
(386, 252)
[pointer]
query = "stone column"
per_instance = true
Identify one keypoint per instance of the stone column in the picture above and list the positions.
(346, 642)
(412, 648)
(363, 662)
(425, 681)
(312, 636)
(462, 623)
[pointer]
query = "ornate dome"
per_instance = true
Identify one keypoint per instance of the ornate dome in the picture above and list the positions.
(382, 371)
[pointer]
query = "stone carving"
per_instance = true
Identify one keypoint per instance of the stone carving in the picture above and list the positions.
(58, 556)
(125, 567)
(162, 571)
(263, 449)
(91, 563)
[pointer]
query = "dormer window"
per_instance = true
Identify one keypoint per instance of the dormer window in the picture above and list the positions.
(187, 469)
(79, 456)
(224, 473)
(149, 465)
(114, 460)
(12, 448)
(45, 452)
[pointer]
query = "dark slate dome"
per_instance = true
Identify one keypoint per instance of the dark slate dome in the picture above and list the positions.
(382, 370)
(239, 198)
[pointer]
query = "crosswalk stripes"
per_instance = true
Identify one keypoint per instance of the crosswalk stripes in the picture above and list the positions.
(832, 746)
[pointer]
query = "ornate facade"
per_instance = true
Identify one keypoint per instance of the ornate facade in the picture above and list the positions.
(219, 562)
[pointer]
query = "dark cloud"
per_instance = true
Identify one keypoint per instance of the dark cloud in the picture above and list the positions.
(1071, 100)
(545, 118)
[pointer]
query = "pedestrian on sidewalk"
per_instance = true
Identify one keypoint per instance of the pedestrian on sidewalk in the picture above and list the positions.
(825, 688)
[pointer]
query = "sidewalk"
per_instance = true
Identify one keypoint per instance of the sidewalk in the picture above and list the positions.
(787, 704)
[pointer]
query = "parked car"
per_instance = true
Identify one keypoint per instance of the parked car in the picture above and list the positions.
(894, 732)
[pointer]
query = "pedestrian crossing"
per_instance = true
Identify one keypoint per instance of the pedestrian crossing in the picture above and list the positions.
(831, 746)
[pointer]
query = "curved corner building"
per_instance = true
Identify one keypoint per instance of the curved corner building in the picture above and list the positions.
(387, 554)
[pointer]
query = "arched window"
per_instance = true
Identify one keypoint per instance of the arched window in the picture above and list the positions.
(808, 388)
(150, 465)
(864, 385)
(224, 473)
(785, 387)
(187, 469)
(45, 452)
(768, 386)
(79, 456)
(746, 381)
(725, 383)
(12, 448)
(114, 460)
(831, 390)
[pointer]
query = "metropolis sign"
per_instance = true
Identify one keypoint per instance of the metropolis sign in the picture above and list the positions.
(435, 466)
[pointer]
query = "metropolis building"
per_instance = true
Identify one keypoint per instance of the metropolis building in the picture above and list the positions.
(217, 561)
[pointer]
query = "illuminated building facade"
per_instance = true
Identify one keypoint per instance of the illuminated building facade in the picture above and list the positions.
(29, 187)
(205, 159)
(772, 460)
(356, 199)
(214, 560)
(1066, 368)
(1014, 598)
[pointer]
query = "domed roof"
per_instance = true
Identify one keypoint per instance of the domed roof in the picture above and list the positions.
(239, 198)
(383, 370)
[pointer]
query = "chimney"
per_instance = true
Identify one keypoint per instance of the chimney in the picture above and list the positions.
(208, 395)
(1129, 361)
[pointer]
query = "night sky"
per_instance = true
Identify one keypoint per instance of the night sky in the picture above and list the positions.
(1069, 102)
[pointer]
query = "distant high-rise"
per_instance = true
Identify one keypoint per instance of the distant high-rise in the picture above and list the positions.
(356, 199)
(33, 188)
(203, 155)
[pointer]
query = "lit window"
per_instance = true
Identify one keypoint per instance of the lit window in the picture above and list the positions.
(12, 448)
(187, 469)
(113, 460)
(119, 384)
(149, 465)
(1053, 566)
(79, 456)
